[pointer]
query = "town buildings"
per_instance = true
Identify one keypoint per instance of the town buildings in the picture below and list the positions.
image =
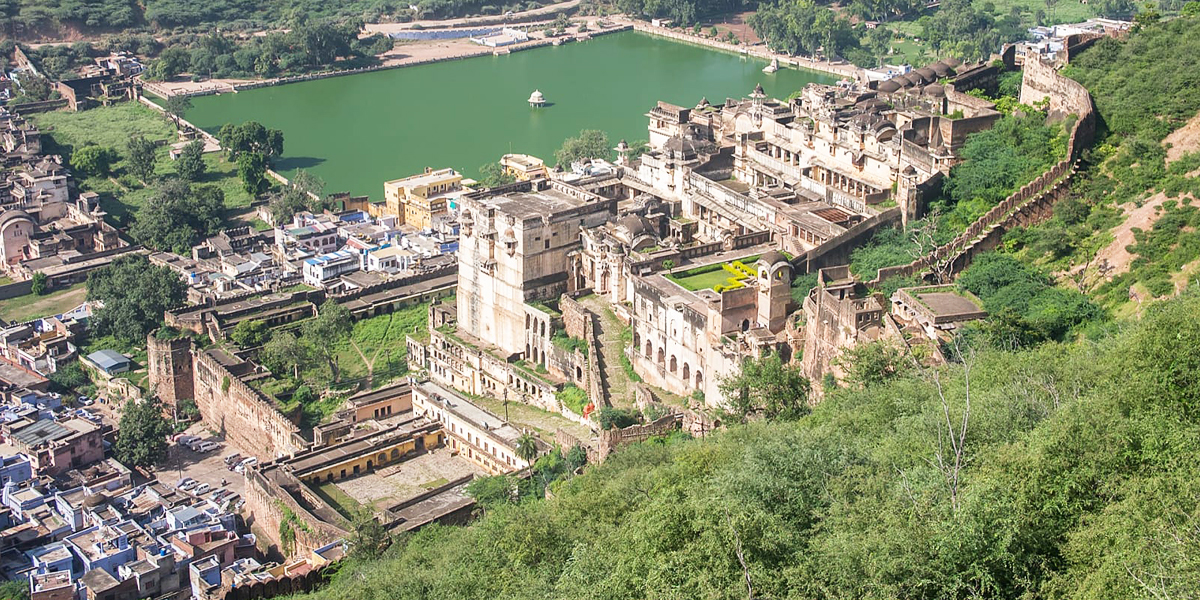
(420, 201)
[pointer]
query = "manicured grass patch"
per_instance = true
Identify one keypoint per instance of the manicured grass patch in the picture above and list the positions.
(726, 275)
(31, 306)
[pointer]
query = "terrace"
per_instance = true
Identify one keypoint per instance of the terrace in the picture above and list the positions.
(718, 277)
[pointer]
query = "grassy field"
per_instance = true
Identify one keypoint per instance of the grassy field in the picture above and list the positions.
(380, 340)
(121, 195)
(339, 500)
(30, 306)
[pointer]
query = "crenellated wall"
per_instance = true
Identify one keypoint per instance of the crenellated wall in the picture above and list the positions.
(1032, 203)
(246, 418)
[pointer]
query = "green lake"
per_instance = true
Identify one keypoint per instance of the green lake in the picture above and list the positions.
(358, 131)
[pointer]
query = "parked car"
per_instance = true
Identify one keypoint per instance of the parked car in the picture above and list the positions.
(185, 484)
(242, 466)
(202, 489)
(232, 460)
(203, 447)
(188, 440)
(217, 495)
(84, 400)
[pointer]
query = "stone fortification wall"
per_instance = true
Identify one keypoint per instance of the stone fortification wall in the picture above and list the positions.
(271, 505)
(1034, 201)
(836, 251)
(246, 418)
(612, 439)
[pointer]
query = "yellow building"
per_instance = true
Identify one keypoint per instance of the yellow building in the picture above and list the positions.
(523, 166)
(418, 200)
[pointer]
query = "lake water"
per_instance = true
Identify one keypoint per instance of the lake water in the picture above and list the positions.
(358, 131)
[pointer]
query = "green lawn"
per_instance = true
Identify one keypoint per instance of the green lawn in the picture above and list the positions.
(339, 500)
(381, 341)
(112, 126)
(30, 306)
(710, 276)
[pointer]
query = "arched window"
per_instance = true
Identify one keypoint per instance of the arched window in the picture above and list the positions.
(699, 378)
(687, 373)
(745, 324)
(662, 360)
(649, 350)
(674, 363)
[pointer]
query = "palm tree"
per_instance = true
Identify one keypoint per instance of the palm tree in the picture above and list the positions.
(527, 448)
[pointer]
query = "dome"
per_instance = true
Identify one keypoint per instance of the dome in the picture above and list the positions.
(912, 78)
(758, 91)
(703, 103)
(635, 225)
(935, 90)
(10, 215)
(537, 98)
(889, 86)
(773, 257)
(951, 62)
(927, 74)
(941, 69)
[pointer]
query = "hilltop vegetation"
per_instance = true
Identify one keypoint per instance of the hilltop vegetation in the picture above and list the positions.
(1075, 480)
(1144, 89)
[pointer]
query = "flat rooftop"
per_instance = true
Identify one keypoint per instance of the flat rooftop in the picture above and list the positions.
(524, 205)
(429, 178)
(478, 416)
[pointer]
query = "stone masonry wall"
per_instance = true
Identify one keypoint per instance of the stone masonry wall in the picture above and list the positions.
(1032, 203)
(171, 377)
(247, 419)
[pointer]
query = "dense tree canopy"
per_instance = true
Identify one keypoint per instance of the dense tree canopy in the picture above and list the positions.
(591, 143)
(135, 295)
(142, 433)
(178, 215)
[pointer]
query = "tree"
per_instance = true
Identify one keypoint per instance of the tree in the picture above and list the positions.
(769, 387)
(302, 193)
(1191, 9)
(69, 377)
(38, 286)
(135, 294)
(252, 168)
(250, 333)
(169, 64)
(178, 214)
(368, 537)
(15, 589)
(492, 174)
(875, 363)
(250, 136)
(93, 161)
(190, 164)
(142, 433)
(175, 107)
(527, 448)
(284, 352)
(141, 158)
(331, 325)
(591, 143)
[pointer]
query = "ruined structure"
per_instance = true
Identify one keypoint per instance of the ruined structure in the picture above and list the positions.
(170, 367)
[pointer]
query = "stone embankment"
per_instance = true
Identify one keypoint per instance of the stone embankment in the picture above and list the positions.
(761, 51)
